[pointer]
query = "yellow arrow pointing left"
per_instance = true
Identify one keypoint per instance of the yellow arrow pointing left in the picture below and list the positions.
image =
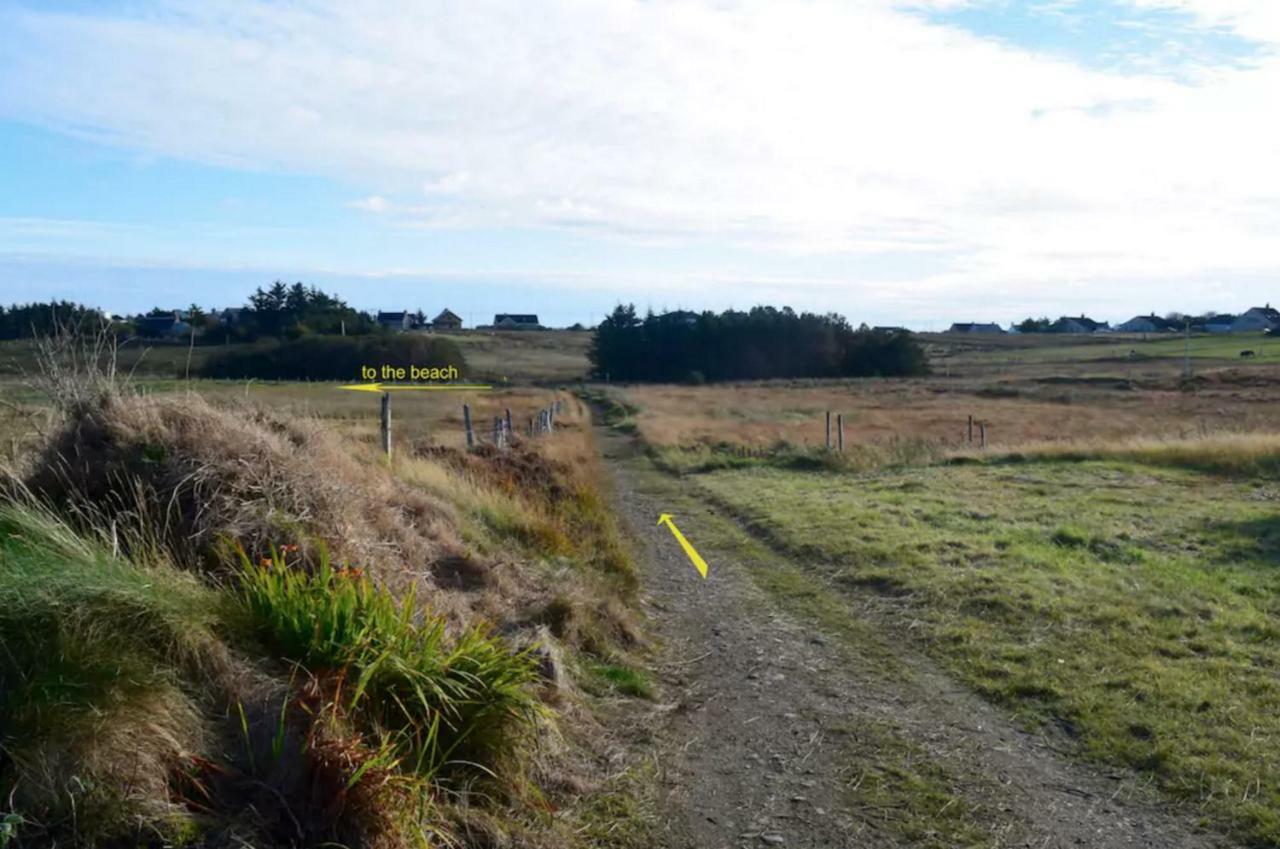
(694, 557)
(429, 387)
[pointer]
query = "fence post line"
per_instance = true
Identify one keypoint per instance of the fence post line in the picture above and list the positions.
(970, 431)
(466, 424)
(840, 432)
(507, 413)
(828, 430)
(497, 432)
(531, 427)
(386, 424)
(982, 430)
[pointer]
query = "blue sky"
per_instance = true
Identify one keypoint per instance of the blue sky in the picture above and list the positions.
(910, 163)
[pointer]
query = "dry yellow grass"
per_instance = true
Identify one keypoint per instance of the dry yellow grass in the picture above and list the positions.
(1228, 453)
(1017, 412)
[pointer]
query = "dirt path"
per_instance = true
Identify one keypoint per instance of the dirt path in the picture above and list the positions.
(766, 716)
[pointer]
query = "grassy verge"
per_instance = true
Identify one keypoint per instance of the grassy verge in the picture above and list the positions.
(155, 691)
(1132, 606)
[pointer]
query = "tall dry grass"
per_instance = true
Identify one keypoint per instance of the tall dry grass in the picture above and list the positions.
(1238, 454)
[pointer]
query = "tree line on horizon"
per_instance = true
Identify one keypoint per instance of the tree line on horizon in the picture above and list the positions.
(761, 343)
(279, 311)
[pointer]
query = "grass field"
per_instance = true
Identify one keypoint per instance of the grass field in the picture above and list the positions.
(1130, 606)
(935, 411)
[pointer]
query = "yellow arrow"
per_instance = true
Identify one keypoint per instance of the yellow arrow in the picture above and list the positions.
(430, 387)
(694, 557)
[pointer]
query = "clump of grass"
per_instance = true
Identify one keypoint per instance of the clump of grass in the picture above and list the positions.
(95, 708)
(447, 703)
(620, 678)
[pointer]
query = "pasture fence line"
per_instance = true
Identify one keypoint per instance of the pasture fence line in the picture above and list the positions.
(834, 432)
(502, 428)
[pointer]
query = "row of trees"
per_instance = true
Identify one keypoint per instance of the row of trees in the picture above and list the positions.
(279, 311)
(764, 342)
(23, 321)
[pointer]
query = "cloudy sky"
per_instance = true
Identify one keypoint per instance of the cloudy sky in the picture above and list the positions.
(899, 162)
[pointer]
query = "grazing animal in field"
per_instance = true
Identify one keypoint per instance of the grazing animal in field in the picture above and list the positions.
(1248, 355)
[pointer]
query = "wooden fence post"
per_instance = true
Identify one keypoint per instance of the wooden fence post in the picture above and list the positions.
(840, 431)
(970, 430)
(466, 424)
(386, 423)
(507, 413)
(531, 427)
(828, 430)
(982, 430)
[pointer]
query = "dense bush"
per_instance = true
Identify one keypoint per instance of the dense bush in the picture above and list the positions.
(334, 358)
(292, 311)
(762, 343)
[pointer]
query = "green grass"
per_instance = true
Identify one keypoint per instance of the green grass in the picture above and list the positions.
(444, 703)
(618, 678)
(99, 664)
(1171, 346)
(1131, 606)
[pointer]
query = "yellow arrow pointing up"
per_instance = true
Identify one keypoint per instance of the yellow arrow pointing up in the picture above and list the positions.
(430, 387)
(694, 557)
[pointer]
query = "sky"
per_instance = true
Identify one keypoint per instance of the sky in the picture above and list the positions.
(911, 162)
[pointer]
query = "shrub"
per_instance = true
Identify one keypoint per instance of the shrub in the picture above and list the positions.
(444, 702)
(334, 358)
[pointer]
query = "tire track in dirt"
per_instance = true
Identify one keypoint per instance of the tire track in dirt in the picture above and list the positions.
(755, 748)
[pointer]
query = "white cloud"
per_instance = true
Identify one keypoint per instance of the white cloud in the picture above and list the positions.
(823, 126)
(373, 203)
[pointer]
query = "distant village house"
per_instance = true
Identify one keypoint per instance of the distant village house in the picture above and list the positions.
(447, 320)
(1148, 324)
(975, 327)
(167, 326)
(513, 321)
(402, 320)
(1080, 324)
(1258, 319)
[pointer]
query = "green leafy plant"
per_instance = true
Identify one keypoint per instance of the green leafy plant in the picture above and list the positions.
(448, 703)
(9, 825)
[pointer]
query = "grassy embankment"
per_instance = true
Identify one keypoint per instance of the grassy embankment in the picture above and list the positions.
(227, 624)
(1124, 593)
